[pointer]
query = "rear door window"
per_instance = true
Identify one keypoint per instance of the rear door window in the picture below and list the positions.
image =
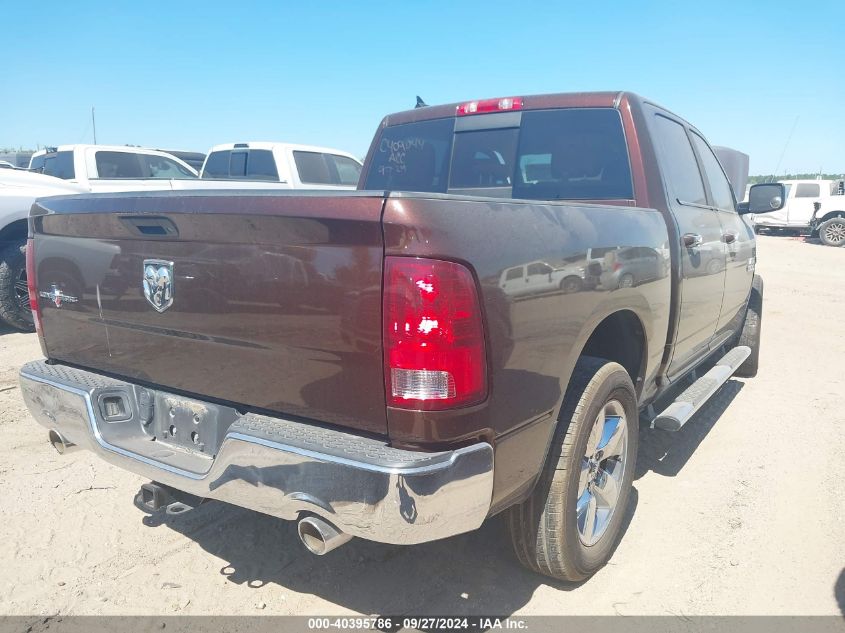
(313, 168)
(59, 165)
(807, 190)
(118, 165)
(160, 167)
(348, 170)
(678, 162)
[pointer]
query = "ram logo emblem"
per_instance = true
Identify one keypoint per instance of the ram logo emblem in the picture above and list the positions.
(158, 283)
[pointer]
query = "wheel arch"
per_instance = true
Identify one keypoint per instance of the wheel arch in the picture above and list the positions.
(620, 337)
(832, 214)
(17, 230)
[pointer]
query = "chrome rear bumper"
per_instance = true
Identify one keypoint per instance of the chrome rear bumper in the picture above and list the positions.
(277, 466)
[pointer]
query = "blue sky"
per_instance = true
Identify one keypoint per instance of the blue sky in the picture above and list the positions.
(193, 74)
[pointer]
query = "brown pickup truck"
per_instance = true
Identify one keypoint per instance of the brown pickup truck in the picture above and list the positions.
(517, 285)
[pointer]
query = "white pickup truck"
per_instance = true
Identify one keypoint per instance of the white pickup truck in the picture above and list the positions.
(300, 166)
(18, 190)
(113, 167)
(817, 206)
(70, 169)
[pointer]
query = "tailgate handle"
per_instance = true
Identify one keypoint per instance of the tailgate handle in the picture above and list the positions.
(151, 226)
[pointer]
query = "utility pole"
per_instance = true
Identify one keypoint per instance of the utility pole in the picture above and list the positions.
(94, 124)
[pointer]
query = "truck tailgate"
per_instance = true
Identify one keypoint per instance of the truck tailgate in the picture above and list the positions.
(262, 299)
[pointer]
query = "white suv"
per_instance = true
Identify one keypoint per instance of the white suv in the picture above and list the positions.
(817, 206)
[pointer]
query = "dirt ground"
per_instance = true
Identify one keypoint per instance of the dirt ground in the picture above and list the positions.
(742, 512)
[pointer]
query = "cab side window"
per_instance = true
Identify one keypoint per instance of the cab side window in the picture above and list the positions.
(807, 190)
(514, 273)
(720, 188)
(678, 162)
(118, 165)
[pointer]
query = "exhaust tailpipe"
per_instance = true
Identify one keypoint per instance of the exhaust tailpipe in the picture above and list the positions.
(319, 536)
(62, 445)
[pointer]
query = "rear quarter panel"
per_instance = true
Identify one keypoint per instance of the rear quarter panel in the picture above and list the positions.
(534, 339)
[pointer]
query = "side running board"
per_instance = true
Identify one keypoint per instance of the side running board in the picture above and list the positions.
(693, 397)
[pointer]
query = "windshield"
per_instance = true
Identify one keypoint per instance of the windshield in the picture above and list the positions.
(571, 154)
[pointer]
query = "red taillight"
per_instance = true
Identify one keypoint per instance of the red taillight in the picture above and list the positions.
(490, 105)
(433, 338)
(30, 285)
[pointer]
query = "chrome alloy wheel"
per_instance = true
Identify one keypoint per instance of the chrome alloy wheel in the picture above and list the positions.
(602, 470)
(835, 233)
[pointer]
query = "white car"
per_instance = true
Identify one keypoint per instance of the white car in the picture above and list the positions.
(298, 166)
(18, 190)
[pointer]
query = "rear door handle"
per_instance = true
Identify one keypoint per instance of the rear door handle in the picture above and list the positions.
(729, 237)
(692, 240)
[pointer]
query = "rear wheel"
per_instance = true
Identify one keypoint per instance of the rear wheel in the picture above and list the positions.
(750, 334)
(571, 284)
(14, 296)
(832, 232)
(569, 526)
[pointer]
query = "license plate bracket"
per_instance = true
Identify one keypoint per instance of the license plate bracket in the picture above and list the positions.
(188, 423)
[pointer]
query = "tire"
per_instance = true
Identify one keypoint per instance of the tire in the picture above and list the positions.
(14, 298)
(832, 232)
(626, 281)
(750, 334)
(546, 530)
(570, 285)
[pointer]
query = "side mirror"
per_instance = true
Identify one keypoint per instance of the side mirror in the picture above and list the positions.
(764, 198)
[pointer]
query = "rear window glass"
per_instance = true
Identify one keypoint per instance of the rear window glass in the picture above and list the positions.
(118, 165)
(413, 157)
(483, 159)
(237, 165)
(570, 154)
(59, 165)
(217, 165)
(241, 164)
(261, 165)
(575, 154)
